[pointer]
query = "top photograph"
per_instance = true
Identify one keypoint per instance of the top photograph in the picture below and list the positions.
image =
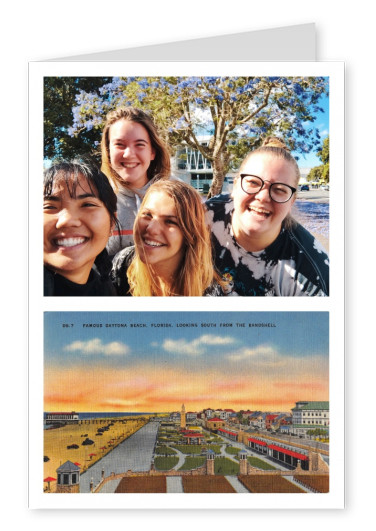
(186, 186)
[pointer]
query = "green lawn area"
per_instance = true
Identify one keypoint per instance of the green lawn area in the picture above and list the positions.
(259, 463)
(232, 450)
(189, 448)
(165, 450)
(225, 467)
(165, 463)
(197, 448)
(192, 462)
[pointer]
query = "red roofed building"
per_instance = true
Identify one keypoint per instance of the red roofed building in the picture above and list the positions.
(257, 445)
(233, 435)
(269, 419)
(214, 423)
(192, 437)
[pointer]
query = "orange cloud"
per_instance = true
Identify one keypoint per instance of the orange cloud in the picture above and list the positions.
(157, 388)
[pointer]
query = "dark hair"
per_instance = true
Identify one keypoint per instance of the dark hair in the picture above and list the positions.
(69, 172)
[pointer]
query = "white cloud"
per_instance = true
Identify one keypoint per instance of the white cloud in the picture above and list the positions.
(197, 346)
(260, 352)
(95, 346)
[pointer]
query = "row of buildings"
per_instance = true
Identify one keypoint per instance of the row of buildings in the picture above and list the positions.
(305, 417)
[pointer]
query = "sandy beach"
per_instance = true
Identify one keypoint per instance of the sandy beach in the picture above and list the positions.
(56, 442)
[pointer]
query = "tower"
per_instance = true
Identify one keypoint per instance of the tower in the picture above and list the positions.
(68, 477)
(183, 422)
(243, 463)
(210, 463)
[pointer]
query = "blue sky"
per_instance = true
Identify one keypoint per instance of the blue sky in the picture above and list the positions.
(157, 368)
(296, 333)
(311, 160)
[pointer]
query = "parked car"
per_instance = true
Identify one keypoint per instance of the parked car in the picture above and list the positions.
(304, 188)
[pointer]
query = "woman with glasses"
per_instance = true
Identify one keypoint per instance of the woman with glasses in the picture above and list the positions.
(259, 248)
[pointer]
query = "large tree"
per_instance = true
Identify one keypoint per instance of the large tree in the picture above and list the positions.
(321, 173)
(59, 98)
(237, 112)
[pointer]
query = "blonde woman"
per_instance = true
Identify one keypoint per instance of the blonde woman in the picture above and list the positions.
(172, 253)
(133, 157)
(259, 248)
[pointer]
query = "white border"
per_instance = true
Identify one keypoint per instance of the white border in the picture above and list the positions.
(333, 304)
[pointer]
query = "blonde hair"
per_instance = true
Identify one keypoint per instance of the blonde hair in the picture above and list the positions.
(196, 272)
(275, 147)
(159, 168)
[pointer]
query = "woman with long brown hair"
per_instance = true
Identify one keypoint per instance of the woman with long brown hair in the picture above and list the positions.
(172, 253)
(134, 156)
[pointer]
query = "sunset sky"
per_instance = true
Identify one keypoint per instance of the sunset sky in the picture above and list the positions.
(149, 368)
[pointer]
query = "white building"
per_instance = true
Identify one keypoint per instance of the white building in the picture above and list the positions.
(309, 416)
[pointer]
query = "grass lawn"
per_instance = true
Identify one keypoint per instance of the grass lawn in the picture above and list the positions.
(232, 450)
(259, 463)
(192, 462)
(225, 467)
(165, 450)
(197, 448)
(165, 463)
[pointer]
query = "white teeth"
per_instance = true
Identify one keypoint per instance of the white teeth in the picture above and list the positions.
(70, 242)
(153, 244)
(260, 211)
(130, 165)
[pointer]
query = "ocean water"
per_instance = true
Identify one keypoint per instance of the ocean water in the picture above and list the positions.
(105, 415)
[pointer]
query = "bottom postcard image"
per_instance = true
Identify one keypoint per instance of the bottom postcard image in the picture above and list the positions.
(186, 402)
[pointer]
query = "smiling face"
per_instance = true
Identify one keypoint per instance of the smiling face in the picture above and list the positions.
(257, 220)
(76, 230)
(158, 236)
(130, 152)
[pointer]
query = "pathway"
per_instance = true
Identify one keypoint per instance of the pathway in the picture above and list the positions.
(174, 484)
(135, 453)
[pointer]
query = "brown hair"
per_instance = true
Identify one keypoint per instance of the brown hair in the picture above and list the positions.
(159, 167)
(196, 272)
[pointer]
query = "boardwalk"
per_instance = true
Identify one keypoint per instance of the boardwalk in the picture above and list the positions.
(135, 453)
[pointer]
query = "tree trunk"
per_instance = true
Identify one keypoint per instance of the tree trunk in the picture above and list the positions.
(220, 167)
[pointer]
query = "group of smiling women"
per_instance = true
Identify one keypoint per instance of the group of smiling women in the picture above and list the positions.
(132, 229)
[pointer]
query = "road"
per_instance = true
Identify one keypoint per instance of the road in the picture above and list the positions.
(135, 453)
(317, 196)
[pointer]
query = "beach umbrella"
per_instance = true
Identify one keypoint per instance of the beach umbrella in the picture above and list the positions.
(48, 481)
(92, 455)
(77, 464)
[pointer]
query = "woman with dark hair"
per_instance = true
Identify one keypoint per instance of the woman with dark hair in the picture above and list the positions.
(133, 157)
(172, 255)
(259, 248)
(79, 214)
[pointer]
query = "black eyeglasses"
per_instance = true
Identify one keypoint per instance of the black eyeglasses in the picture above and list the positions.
(278, 192)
